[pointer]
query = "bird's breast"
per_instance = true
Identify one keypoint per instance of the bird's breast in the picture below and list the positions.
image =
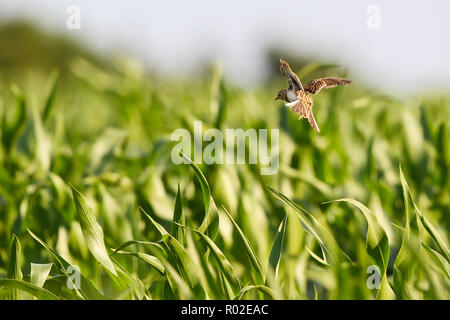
(291, 95)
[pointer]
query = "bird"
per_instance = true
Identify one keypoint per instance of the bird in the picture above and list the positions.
(299, 98)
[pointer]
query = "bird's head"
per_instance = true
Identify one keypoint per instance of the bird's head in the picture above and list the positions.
(281, 95)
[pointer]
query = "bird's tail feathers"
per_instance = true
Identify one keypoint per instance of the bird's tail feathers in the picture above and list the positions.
(312, 121)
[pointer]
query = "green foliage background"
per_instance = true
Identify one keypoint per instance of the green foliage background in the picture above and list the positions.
(86, 179)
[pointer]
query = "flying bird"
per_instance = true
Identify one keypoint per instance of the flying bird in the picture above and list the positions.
(299, 98)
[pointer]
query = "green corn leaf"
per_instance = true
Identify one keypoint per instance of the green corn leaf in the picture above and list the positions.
(43, 142)
(178, 217)
(177, 251)
(253, 258)
(439, 260)
(210, 222)
(377, 245)
(128, 243)
(218, 102)
(331, 253)
(39, 273)
(29, 288)
(49, 102)
(316, 294)
(158, 227)
(277, 247)
(404, 264)
(261, 288)
(134, 286)
(206, 278)
(224, 265)
(177, 283)
(14, 271)
(87, 290)
(149, 259)
(433, 232)
(92, 232)
(12, 131)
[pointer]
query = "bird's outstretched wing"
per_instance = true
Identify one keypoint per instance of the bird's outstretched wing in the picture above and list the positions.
(314, 86)
(294, 81)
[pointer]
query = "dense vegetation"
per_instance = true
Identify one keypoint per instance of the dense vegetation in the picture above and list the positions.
(86, 179)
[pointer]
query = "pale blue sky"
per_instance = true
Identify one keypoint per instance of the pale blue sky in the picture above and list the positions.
(408, 53)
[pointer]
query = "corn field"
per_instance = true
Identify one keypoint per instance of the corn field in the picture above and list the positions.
(92, 207)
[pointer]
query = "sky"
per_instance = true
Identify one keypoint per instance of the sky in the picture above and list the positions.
(396, 46)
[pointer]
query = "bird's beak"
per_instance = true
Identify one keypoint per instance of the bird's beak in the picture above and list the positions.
(276, 98)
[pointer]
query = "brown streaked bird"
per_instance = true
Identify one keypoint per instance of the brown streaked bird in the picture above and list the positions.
(299, 98)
